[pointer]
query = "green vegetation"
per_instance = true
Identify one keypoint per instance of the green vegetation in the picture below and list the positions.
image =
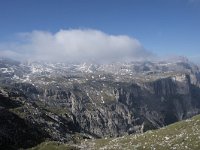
(53, 146)
(108, 98)
(54, 109)
(19, 111)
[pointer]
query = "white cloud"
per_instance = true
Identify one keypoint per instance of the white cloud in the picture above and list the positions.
(75, 46)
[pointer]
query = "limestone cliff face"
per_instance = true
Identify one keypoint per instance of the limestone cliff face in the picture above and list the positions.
(127, 108)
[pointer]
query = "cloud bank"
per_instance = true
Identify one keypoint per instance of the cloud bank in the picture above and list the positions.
(74, 45)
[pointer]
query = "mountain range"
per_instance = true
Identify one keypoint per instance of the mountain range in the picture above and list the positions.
(67, 102)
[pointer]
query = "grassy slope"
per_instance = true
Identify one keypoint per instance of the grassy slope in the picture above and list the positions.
(181, 135)
(178, 136)
(53, 146)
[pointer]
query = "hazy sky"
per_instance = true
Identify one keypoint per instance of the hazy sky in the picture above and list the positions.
(139, 27)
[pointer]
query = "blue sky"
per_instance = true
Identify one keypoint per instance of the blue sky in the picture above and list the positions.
(164, 27)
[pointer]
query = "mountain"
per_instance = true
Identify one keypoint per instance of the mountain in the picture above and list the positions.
(67, 102)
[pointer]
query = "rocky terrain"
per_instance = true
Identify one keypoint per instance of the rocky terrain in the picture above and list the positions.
(69, 102)
(181, 135)
(178, 136)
